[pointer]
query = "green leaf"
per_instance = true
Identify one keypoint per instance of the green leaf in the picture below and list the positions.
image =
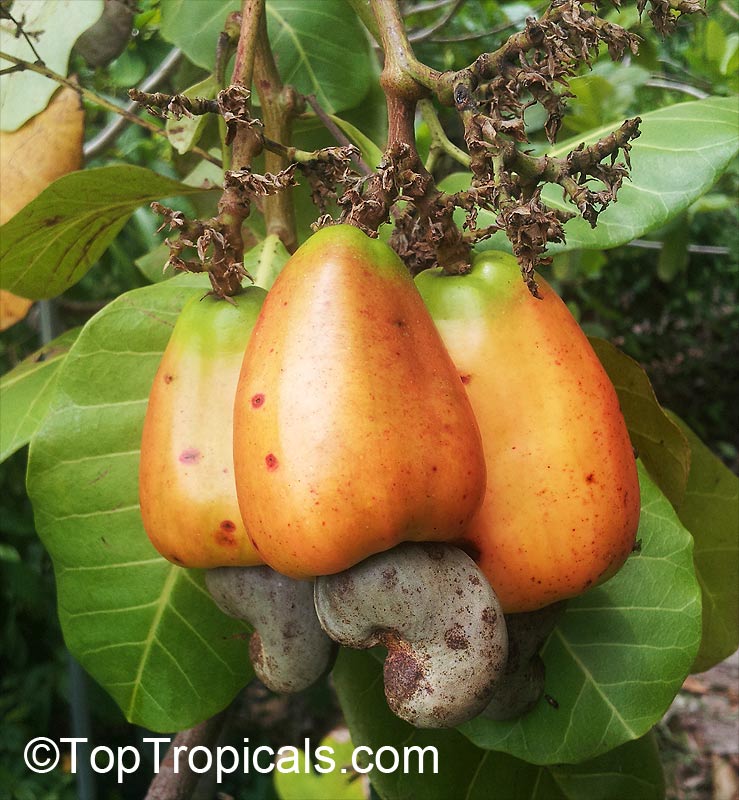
(619, 653)
(194, 27)
(310, 41)
(710, 511)
(151, 264)
(56, 25)
(145, 629)
(184, 133)
(371, 153)
(297, 779)
(682, 151)
(661, 444)
(594, 99)
(25, 393)
(631, 771)
(52, 242)
(265, 260)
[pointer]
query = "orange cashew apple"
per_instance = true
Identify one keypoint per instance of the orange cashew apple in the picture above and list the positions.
(352, 431)
(561, 508)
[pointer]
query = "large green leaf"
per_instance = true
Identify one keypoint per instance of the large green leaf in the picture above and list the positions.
(619, 653)
(55, 26)
(710, 511)
(144, 629)
(661, 444)
(26, 391)
(52, 242)
(681, 152)
(631, 771)
(194, 27)
(309, 40)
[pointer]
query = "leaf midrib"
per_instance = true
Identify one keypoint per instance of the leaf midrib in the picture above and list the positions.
(164, 598)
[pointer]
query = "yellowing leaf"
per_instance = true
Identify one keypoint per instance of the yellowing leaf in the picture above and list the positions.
(29, 163)
(12, 309)
(45, 148)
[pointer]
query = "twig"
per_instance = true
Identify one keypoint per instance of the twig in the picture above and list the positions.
(169, 784)
(425, 33)
(474, 35)
(728, 9)
(5, 13)
(175, 104)
(422, 8)
(363, 9)
(110, 132)
(96, 99)
(439, 140)
(676, 86)
(699, 249)
(278, 104)
(336, 132)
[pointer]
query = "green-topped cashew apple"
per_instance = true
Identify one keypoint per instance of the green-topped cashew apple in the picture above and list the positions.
(186, 476)
(561, 508)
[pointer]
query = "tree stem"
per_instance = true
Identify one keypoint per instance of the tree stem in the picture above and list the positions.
(440, 142)
(278, 106)
(175, 781)
(402, 72)
(246, 143)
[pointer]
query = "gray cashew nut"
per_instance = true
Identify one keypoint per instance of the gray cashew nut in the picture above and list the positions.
(439, 619)
(522, 682)
(288, 649)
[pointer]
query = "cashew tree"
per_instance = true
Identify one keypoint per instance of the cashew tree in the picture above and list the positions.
(398, 468)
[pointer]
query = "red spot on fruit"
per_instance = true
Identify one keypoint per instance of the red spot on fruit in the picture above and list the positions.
(271, 461)
(257, 401)
(590, 478)
(190, 456)
(168, 378)
(465, 379)
(224, 536)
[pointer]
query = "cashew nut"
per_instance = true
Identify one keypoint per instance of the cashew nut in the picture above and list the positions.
(522, 683)
(288, 649)
(440, 621)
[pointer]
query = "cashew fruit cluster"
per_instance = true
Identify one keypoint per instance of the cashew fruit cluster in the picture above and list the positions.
(361, 458)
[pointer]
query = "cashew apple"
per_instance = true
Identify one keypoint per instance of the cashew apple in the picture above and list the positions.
(186, 476)
(352, 431)
(561, 508)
